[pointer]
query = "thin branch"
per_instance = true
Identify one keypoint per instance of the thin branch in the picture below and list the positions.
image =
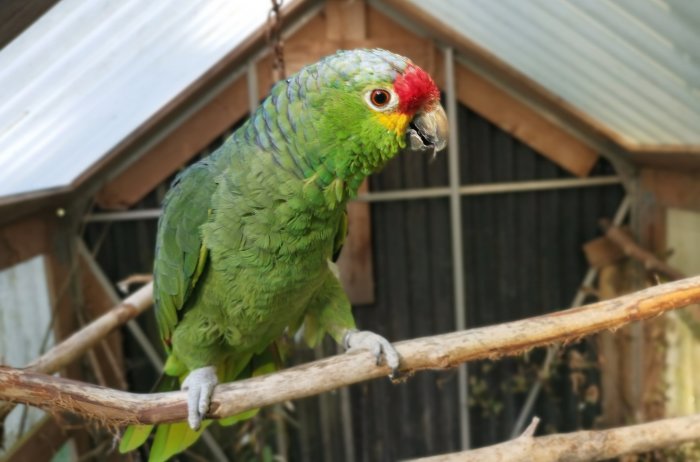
(585, 446)
(77, 344)
(637, 252)
(115, 407)
(83, 340)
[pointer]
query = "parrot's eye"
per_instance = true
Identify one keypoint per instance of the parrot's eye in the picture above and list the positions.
(381, 99)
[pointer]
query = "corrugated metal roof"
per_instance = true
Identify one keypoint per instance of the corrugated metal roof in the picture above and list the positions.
(633, 66)
(87, 74)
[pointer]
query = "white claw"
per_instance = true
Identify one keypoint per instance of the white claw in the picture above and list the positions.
(199, 385)
(378, 345)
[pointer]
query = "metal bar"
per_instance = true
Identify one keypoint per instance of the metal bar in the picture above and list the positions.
(620, 215)
(408, 194)
(129, 215)
(493, 188)
(252, 77)
(457, 241)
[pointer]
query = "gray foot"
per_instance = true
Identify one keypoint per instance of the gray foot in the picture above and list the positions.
(375, 343)
(199, 385)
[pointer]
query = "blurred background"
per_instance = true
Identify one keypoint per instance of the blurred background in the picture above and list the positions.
(574, 119)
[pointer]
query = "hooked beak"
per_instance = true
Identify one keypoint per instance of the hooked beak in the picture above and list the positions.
(428, 131)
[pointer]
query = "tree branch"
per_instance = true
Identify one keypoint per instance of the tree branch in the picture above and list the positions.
(114, 407)
(584, 446)
(633, 250)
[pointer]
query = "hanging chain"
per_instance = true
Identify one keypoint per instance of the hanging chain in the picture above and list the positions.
(274, 39)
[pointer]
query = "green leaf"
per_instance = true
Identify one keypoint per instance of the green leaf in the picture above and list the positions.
(173, 438)
(133, 437)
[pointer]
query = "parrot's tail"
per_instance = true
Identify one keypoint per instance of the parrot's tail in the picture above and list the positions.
(173, 438)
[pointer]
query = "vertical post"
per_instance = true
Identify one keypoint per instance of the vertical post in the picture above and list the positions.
(253, 90)
(457, 239)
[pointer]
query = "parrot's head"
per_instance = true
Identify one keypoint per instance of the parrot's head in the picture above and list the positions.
(371, 105)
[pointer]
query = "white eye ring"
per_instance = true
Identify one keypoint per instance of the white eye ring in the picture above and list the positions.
(373, 99)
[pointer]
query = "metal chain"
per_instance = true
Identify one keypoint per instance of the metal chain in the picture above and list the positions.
(274, 38)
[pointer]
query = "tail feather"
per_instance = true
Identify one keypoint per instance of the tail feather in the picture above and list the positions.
(173, 438)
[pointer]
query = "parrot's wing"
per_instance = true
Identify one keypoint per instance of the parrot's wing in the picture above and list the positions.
(340, 235)
(180, 253)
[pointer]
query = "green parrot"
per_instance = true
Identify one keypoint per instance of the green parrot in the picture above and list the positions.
(247, 238)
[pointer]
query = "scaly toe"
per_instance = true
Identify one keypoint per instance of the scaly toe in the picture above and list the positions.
(199, 385)
(381, 348)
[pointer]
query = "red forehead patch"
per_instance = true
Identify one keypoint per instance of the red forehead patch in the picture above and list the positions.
(416, 90)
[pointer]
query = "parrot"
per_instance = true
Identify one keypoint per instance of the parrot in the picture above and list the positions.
(247, 238)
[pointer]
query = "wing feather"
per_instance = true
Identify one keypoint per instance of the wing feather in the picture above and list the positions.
(180, 253)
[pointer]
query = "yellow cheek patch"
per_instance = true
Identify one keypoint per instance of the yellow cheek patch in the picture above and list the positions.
(393, 121)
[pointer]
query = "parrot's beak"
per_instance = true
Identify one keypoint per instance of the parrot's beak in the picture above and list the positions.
(428, 131)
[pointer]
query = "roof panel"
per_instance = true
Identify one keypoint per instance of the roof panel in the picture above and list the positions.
(633, 66)
(87, 74)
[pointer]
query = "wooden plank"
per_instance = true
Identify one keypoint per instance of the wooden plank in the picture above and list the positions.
(356, 262)
(649, 226)
(97, 302)
(673, 188)
(346, 20)
(66, 297)
(22, 240)
(669, 160)
(602, 252)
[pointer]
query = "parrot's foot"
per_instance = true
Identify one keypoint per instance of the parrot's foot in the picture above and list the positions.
(378, 345)
(199, 385)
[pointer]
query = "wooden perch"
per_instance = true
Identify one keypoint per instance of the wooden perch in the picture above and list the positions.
(114, 407)
(584, 446)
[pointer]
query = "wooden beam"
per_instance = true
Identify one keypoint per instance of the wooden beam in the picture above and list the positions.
(97, 302)
(356, 262)
(602, 252)
(22, 240)
(346, 20)
(673, 188)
